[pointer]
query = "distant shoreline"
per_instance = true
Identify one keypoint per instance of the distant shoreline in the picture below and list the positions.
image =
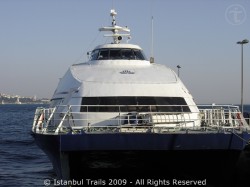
(24, 103)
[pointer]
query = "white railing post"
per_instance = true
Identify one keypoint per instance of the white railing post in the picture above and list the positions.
(39, 111)
(61, 122)
(49, 119)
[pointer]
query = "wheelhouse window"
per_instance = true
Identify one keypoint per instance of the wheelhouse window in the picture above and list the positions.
(117, 53)
(130, 104)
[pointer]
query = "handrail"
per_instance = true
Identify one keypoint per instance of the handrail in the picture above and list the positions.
(60, 124)
(207, 117)
(49, 119)
(36, 120)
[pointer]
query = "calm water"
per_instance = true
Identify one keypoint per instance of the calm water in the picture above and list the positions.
(22, 163)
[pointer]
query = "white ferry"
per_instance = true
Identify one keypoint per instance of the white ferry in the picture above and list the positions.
(120, 102)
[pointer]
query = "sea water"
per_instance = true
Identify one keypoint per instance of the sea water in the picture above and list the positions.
(22, 163)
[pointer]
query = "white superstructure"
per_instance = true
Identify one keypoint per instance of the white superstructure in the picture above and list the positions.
(118, 87)
(120, 71)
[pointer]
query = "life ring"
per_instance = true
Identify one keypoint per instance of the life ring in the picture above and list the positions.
(239, 118)
(40, 121)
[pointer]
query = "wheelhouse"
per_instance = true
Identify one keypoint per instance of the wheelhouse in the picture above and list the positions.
(117, 54)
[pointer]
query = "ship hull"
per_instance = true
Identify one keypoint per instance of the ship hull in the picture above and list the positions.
(211, 156)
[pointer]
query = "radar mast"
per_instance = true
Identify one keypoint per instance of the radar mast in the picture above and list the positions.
(116, 35)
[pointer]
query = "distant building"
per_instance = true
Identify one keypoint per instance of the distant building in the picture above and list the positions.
(34, 98)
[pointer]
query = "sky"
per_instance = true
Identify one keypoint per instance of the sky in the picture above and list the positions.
(40, 39)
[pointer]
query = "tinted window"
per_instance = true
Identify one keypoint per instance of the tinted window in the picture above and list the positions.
(129, 104)
(94, 54)
(115, 54)
(120, 53)
(103, 54)
(139, 55)
(128, 54)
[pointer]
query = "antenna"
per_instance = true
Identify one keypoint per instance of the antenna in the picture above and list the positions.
(117, 37)
(113, 13)
(152, 40)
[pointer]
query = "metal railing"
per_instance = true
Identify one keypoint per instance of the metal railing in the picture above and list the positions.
(68, 119)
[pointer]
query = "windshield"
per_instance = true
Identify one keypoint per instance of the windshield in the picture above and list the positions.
(115, 54)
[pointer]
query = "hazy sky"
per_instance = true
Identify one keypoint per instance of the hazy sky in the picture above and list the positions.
(40, 39)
